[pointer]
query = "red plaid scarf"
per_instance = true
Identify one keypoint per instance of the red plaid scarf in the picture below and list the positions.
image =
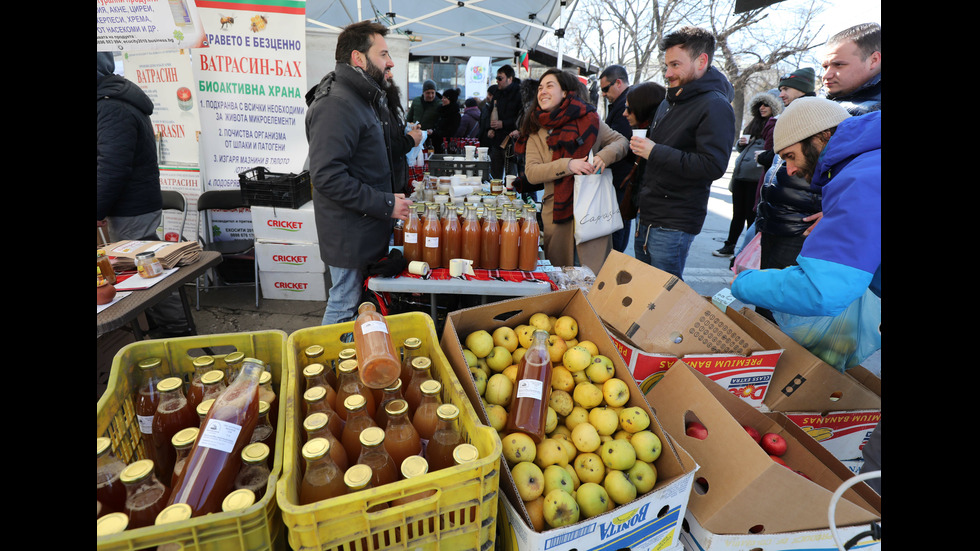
(574, 127)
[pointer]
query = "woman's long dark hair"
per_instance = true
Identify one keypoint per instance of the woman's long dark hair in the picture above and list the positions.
(568, 82)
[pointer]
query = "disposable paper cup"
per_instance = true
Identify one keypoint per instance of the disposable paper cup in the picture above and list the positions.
(640, 132)
(481, 153)
(470, 151)
(509, 181)
(418, 267)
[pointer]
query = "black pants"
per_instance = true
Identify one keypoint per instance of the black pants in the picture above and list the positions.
(778, 252)
(743, 209)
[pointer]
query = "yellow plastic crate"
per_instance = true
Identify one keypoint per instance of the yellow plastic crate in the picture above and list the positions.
(460, 516)
(257, 528)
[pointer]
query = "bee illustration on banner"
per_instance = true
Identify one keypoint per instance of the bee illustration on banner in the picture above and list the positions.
(226, 21)
(258, 23)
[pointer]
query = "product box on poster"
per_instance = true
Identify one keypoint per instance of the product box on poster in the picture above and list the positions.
(649, 522)
(284, 224)
(293, 285)
(839, 410)
(739, 489)
(276, 256)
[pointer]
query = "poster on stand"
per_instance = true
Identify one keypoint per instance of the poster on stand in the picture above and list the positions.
(477, 77)
(187, 182)
(251, 83)
(147, 25)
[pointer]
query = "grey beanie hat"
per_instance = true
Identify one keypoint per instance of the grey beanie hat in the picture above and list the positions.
(805, 117)
(428, 85)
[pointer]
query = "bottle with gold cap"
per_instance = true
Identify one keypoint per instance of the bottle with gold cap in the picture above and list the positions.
(425, 419)
(401, 438)
(421, 372)
(146, 496)
(358, 419)
(315, 374)
(348, 384)
(316, 425)
(195, 391)
(393, 392)
(445, 438)
(411, 349)
(412, 467)
(183, 441)
(268, 393)
(105, 266)
(111, 524)
(315, 400)
(173, 415)
(147, 397)
(177, 512)
(378, 362)
(462, 455)
(111, 492)
(238, 500)
(214, 461)
(202, 411)
(358, 478)
(323, 479)
(374, 455)
(254, 473)
(264, 432)
(233, 364)
(213, 383)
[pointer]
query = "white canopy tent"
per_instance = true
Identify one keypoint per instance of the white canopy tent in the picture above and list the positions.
(463, 28)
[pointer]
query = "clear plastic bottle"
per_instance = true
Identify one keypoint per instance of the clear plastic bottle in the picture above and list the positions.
(195, 391)
(529, 406)
(378, 363)
(402, 440)
(323, 479)
(374, 455)
(316, 426)
(111, 492)
(183, 441)
(146, 496)
(173, 415)
(214, 462)
(358, 419)
(445, 438)
(254, 473)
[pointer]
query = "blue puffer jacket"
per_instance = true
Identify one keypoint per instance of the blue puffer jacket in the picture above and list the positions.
(842, 256)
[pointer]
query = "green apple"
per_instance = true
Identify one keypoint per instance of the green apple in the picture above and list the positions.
(556, 348)
(541, 321)
(633, 419)
(560, 509)
(480, 342)
(601, 369)
(643, 475)
(561, 401)
(647, 445)
(605, 420)
(497, 416)
(587, 395)
(619, 487)
(566, 327)
(470, 357)
(551, 420)
(578, 415)
(589, 467)
(576, 358)
(550, 452)
(557, 478)
(529, 480)
(617, 454)
(479, 380)
(585, 437)
(592, 499)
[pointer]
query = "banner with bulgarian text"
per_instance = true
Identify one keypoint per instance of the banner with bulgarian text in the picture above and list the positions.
(147, 25)
(251, 83)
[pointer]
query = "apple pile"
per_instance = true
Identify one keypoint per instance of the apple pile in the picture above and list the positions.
(771, 443)
(598, 452)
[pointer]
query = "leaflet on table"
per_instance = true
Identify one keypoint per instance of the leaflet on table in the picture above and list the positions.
(119, 296)
(136, 283)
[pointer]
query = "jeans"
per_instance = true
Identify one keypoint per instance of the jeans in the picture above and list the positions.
(344, 295)
(663, 248)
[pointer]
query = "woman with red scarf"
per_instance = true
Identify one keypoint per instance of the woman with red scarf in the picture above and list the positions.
(558, 131)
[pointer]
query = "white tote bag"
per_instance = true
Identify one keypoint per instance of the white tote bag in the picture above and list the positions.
(596, 207)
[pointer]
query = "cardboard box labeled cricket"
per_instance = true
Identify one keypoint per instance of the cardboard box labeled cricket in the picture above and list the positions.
(293, 285)
(654, 318)
(651, 521)
(839, 410)
(283, 224)
(739, 489)
(276, 256)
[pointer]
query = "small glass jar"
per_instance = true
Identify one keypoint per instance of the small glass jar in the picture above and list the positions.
(148, 265)
(105, 267)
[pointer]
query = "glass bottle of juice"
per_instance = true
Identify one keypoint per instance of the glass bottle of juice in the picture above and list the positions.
(358, 419)
(213, 383)
(268, 393)
(202, 411)
(374, 455)
(412, 348)
(413, 467)
(110, 490)
(110, 524)
(445, 438)
(392, 393)
(233, 364)
(421, 372)
(238, 500)
(323, 479)
(264, 432)
(178, 512)
(147, 398)
(510, 240)
(173, 415)
(490, 241)
(529, 407)
(348, 384)
(146, 496)
(412, 247)
(463, 454)
(530, 234)
(425, 419)
(315, 400)
(209, 472)
(472, 236)
(333, 372)
(315, 375)
(183, 441)
(432, 238)
(401, 438)
(316, 426)
(452, 236)
(378, 362)
(357, 479)
(254, 473)
(195, 391)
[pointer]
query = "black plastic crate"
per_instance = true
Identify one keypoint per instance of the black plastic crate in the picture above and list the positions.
(263, 188)
(440, 166)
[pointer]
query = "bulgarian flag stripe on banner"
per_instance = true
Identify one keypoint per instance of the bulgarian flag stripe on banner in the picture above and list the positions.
(297, 7)
(525, 62)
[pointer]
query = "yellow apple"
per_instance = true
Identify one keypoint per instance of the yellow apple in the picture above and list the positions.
(633, 419)
(479, 380)
(535, 509)
(619, 487)
(578, 415)
(511, 372)
(565, 443)
(587, 395)
(560, 509)
(551, 420)
(506, 337)
(517, 447)
(589, 467)
(566, 327)
(615, 392)
(561, 379)
(590, 346)
(592, 499)
(601, 369)
(524, 334)
(561, 401)
(529, 480)
(570, 342)
(557, 478)
(617, 455)
(499, 390)
(579, 377)
(497, 416)
(556, 348)
(498, 358)
(571, 472)
(643, 475)
(605, 420)
(517, 354)
(480, 342)
(550, 452)
(647, 445)
(585, 437)
(576, 358)
(470, 357)
(540, 321)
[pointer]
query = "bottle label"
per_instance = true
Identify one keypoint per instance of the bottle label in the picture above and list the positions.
(411, 237)
(220, 435)
(432, 242)
(530, 388)
(373, 327)
(146, 423)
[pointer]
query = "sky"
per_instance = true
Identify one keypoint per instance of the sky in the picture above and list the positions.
(841, 14)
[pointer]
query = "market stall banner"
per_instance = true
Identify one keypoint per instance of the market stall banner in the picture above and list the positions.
(250, 88)
(477, 77)
(147, 25)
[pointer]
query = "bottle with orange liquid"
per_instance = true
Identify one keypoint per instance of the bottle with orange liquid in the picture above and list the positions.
(378, 362)
(445, 438)
(183, 441)
(264, 432)
(529, 407)
(530, 234)
(425, 419)
(315, 400)
(173, 414)
(195, 391)
(413, 467)
(254, 473)
(315, 375)
(202, 411)
(390, 394)
(510, 240)
(412, 348)
(358, 419)
(323, 479)
(374, 455)
(316, 426)
(452, 236)
(146, 496)
(432, 237)
(314, 354)
(348, 384)
(213, 384)
(472, 235)
(147, 398)
(233, 364)
(111, 492)
(490, 240)
(421, 372)
(358, 478)
(402, 440)
(267, 393)
(412, 234)
(210, 470)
